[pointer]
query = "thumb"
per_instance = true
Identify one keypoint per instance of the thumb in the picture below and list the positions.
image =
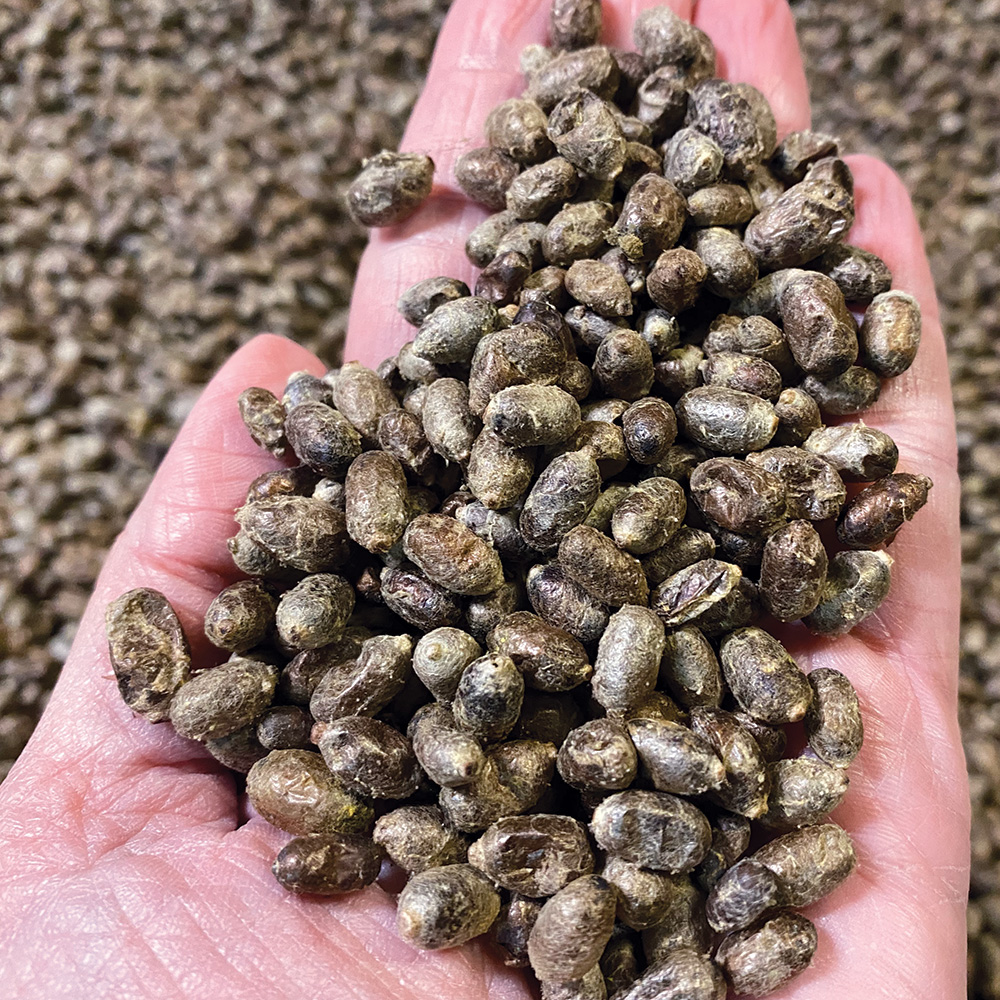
(89, 750)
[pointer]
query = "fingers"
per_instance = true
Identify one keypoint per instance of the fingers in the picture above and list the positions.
(917, 625)
(907, 808)
(916, 410)
(755, 41)
(620, 16)
(175, 542)
(177, 535)
(757, 44)
(475, 67)
(887, 225)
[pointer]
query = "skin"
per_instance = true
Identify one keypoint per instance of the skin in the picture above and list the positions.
(127, 864)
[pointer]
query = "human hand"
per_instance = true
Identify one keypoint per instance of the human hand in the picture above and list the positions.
(126, 867)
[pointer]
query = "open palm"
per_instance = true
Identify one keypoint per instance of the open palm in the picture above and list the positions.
(126, 869)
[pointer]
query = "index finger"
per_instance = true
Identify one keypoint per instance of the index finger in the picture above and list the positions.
(475, 66)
